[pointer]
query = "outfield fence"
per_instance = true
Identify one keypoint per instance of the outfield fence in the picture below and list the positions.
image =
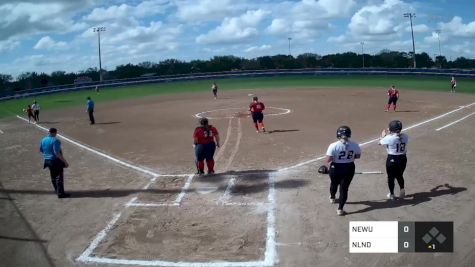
(239, 74)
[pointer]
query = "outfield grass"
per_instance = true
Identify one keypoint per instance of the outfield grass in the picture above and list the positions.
(66, 99)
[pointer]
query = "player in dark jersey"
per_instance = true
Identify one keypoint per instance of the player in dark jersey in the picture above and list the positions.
(205, 141)
(29, 112)
(256, 108)
(393, 94)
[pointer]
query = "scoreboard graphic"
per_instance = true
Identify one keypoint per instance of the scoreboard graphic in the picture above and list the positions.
(395, 237)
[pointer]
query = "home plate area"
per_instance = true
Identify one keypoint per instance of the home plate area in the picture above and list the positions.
(221, 218)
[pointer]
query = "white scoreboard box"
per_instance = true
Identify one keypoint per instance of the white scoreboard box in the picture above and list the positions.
(373, 237)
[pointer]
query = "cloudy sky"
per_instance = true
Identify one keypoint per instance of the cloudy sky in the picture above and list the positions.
(49, 35)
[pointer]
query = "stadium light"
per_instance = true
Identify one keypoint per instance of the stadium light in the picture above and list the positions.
(438, 38)
(410, 16)
(289, 45)
(362, 52)
(99, 30)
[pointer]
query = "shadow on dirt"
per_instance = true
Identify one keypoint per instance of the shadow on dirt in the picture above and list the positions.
(106, 123)
(413, 199)
(283, 131)
(247, 182)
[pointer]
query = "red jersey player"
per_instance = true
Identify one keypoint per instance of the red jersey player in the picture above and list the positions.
(204, 142)
(453, 84)
(256, 109)
(393, 94)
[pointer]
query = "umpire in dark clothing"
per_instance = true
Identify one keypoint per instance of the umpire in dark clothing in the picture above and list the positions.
(90, 110)
(50, 147)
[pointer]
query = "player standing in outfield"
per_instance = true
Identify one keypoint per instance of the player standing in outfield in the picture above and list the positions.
(36, 111)
(340, 161)
(256, 108)
(50, 147)
(396, 145)
(453, 84)
(29, 112)
(393, 94)
(90, 110)
(214, 88)
(204, 143)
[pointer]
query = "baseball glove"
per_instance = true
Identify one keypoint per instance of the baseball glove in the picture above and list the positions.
(323, 169)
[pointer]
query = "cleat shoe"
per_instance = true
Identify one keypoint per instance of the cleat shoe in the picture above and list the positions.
(332, 200)
(200, 172)
(210, 172)
(65, 195)
(402, 193)
(340, 212)
(390, 196)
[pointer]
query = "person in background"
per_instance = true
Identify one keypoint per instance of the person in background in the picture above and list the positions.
(36, 111)
(90, 110)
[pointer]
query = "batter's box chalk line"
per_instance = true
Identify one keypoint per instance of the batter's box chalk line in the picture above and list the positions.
(230, 113)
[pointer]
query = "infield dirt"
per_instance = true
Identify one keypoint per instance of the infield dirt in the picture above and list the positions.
(156, 133)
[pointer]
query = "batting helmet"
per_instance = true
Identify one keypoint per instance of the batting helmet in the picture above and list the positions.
(255, 98)
(204, 121)
(343, 131)
(395, 126)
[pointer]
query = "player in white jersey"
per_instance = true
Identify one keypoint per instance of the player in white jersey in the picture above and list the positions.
(396, 145)
(340, 160)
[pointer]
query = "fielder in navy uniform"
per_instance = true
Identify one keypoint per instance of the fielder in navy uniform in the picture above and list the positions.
(396, 145)
(340, 160)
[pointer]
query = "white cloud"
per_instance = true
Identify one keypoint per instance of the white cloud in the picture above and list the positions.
(20, 18)
(278, 26)
(125, 11)
(378, 19)
(433, 38)
(456, 27)
(207, 10)
(258, 48)
(463, 48)
(311, 9)
(46, 43)
(234, 29)
(418, 28)
(8, 45)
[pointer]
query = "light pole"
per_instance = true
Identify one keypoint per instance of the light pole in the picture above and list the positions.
(438, 38)
(99, 30)
(410, 16)
(362, 52)
(290, 54)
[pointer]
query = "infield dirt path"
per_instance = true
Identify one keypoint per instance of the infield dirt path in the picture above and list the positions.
(155, 132)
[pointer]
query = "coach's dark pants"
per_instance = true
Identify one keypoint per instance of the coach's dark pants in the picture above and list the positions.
(91, 115)
(205, 151)
(341, 175)
(37, 115)
(56, 167)
(395, 167)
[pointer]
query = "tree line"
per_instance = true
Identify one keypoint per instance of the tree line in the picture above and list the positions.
(384, 59)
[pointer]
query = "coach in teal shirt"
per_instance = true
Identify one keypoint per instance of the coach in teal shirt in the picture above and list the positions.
(50, 147)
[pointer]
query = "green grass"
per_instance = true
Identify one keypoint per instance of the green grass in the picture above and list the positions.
(67, 99)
